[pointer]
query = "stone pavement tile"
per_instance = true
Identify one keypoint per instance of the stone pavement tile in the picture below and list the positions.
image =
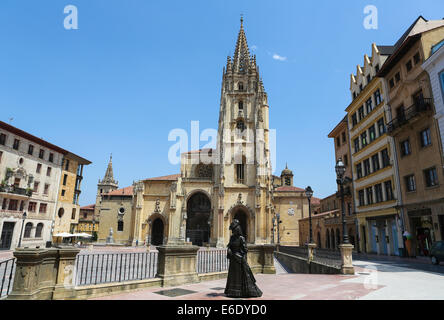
(274, 287)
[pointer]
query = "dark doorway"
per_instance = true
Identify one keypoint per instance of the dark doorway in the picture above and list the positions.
(157, 232)
(198, 214)
(6, 239)
(242, 217)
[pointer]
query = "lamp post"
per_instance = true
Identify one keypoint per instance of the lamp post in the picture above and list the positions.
(309, 194)
(21, 232)
(346, 248)
(273, 220)
(278, 220)
(341, 180)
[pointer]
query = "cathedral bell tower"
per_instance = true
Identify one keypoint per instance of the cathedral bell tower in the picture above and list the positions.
(107, 184)
(243, 139)
(243, 127)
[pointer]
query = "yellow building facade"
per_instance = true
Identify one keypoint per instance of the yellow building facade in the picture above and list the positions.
(374, 166)
(68, 208)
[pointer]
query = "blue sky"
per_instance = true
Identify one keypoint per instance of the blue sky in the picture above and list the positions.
(136, 69)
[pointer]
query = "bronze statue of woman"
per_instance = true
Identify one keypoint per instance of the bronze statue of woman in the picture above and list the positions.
(240, 282)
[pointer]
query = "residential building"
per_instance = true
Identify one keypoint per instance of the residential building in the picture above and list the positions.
(417, 139)
(88, 222)
(434, 65)
(327, 224)
(372, 159)
(68, 207)
(30, 171)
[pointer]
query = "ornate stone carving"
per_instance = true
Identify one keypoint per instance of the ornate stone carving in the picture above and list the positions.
(204, 170)
(239, 199)
(157, 206)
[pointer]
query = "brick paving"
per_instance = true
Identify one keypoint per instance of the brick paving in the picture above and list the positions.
(275, 287)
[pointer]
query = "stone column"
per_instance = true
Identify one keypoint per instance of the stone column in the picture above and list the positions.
(177, 264)
(64, 288)
(220, 229)
(347, 259)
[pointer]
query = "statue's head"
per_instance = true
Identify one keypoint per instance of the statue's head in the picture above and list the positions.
(235, 227)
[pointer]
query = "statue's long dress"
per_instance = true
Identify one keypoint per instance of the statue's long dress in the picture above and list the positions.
(240, 281)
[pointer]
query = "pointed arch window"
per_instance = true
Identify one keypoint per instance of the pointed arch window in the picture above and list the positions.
(241, 105)
(241, 86)
(120, 226)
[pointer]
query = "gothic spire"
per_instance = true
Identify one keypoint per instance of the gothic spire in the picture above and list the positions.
(241, 53)
(109, 175)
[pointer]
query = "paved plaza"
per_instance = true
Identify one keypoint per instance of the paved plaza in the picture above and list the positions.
(376, 278)
(387, 280)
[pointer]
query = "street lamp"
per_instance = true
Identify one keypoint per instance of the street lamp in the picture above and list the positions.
(278, 219)
(21, 232)
(341, 180)
(309, 194)
(273, 220)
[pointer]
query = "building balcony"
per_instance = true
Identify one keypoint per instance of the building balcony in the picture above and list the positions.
(11, 213)
(410, 115)
(16, 191)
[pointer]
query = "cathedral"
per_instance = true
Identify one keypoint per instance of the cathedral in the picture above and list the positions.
(214, 186)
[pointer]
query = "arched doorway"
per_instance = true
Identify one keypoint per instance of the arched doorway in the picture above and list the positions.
(198, 214)
(243, 220)
(157, 232)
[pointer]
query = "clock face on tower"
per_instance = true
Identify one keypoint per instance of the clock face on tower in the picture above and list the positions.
(291, 212)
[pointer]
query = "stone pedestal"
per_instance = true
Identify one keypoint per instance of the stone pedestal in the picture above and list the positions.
(44, 274)
(64, 288)
(177, 264)
(347, 259)
(311, 247)
(35, 274)
(268, 258)
(260, 258)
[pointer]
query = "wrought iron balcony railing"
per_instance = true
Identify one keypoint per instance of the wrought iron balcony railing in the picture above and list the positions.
(420, 106)
(16, 190)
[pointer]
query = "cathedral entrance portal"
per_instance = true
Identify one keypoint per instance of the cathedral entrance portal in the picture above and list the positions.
(198, 214)
(242, 217)
(157, 232)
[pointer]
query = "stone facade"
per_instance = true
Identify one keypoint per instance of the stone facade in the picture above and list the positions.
(215, 186)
